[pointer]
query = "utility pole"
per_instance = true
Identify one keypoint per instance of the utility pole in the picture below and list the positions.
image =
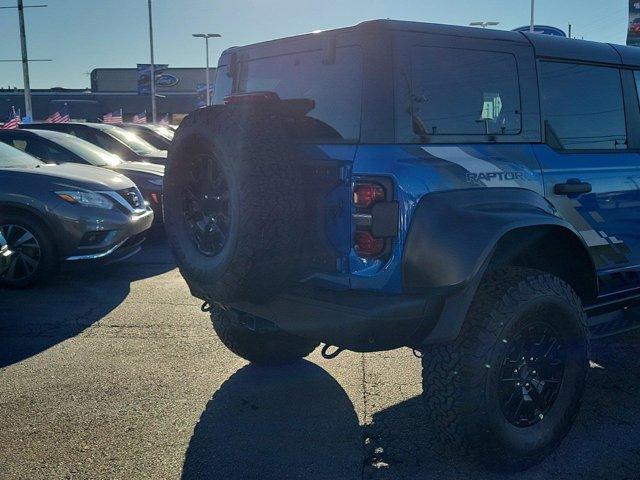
(152, 69)
(570, 30)
(25, 58)
(25, 62)
(532, 27)
(206, 37)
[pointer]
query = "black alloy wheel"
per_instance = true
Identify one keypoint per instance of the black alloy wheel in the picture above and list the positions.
(27, 253)
(205, 206)
(531, 374)
(509, 387)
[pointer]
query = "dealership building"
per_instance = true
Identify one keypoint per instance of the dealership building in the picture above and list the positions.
(178, 92)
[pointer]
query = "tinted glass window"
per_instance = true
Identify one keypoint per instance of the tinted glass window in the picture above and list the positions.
(12, 157)
(463, 92)
(132, 141)
(47, 151)
(104, 141)
(88, 152)
(19, 144)
(326, 93)
(582, 106)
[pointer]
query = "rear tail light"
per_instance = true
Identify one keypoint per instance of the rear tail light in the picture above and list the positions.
(366, 245)
(365, 195)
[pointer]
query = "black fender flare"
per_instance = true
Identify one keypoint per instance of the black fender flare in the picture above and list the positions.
(452, 240)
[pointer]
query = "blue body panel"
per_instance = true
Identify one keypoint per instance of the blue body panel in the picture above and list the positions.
(417, 170)
(606, 218)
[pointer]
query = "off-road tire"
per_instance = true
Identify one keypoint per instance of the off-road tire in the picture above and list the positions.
(48, 263)
(252, 340)
(250, 145)
(460, 380)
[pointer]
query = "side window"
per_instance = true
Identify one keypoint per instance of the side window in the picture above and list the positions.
(463, 92)
(582, 106)
(19, 144)
(43, 150)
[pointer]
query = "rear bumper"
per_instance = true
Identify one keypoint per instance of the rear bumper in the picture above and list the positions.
(354, 320)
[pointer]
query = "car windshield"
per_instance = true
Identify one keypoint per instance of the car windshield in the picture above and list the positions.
(13, 158)
(133, 141)
(87, 151)
(166, 132)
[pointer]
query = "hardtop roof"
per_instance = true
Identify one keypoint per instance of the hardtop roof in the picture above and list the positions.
(543, 45)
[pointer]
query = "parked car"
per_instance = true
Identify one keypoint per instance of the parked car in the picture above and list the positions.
(5, 255)
(472, 194)
(157, 135)
(114, 139)
(57, 147)
(51, 214)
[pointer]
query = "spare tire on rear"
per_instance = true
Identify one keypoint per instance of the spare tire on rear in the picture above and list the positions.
(232, 203)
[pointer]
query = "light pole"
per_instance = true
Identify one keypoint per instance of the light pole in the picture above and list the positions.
(25, 59)
(532, 26)
(206, 37)
(484, 24)
(152, 68)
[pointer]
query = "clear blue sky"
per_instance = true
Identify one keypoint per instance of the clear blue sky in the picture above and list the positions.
(80, 35)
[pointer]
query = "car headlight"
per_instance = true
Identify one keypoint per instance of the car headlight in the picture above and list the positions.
(86, 199)
(156, 181)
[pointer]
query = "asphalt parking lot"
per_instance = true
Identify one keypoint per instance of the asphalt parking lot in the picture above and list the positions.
(115, 373)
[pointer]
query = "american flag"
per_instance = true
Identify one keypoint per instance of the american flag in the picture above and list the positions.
(113, 117)
(61, 116)
(140, 118)
(164, 120)
(13, 122)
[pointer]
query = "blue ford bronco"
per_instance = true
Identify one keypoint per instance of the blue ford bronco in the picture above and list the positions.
(471, 194)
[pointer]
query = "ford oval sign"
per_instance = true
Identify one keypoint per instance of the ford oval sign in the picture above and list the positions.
(542, 29)
(167, 80)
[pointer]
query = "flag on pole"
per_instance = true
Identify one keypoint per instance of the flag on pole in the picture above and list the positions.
(113, 117)
(14, 120)
(165, 119)
(140, 118)
(61, 116)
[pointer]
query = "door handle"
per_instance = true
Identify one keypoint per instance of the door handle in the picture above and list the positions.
(573, 186)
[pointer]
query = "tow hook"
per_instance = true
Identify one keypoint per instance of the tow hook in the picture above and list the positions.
(330, 355)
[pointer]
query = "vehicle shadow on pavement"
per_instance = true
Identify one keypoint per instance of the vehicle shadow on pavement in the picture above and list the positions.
(604, 443)
(36, 319)
(274, 423)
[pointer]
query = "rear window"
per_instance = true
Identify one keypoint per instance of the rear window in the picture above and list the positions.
(463, 92)
(334, 86)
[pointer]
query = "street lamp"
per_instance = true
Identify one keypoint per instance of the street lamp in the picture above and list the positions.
(206, 37)
(484, 24)
(25, 61)
(152, 67)
(532, 25)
